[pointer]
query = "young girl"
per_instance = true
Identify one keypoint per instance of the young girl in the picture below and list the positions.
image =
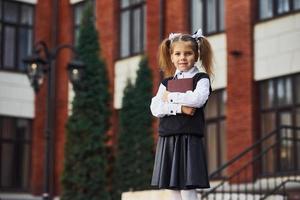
(180, 163)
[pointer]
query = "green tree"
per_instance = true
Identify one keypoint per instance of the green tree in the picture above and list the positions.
(134, 157)
(85, 158)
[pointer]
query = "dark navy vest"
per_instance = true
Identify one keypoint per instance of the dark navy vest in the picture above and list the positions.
(182, 123)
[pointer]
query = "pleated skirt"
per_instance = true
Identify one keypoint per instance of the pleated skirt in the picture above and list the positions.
(180, 163)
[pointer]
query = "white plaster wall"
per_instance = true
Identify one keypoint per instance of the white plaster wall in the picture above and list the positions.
(16, 95)
(124, 70)
(277, 47)
(218, 43)
(75, 1)
(71, 95)
(28, 1)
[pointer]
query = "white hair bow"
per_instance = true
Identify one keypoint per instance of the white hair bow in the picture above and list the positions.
(172, 36)
(198, 34)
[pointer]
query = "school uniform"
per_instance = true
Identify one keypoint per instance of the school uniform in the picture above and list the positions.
(180, 161)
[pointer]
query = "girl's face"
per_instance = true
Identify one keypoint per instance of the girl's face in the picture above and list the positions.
(183, 57)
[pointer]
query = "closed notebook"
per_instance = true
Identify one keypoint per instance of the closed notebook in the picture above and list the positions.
(180, 85)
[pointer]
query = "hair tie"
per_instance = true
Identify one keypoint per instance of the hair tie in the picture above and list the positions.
(198, 34)
(172, 36)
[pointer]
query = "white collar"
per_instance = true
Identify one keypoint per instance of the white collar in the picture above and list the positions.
(188, 74)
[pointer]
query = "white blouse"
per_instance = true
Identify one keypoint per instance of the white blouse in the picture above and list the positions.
(196, 98)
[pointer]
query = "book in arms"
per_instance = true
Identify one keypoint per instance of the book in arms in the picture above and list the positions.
(180, 85)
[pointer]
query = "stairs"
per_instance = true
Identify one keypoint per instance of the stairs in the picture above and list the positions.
(281, 183)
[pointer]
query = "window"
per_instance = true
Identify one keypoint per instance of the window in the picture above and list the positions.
(272, 8)
(15, 150)
(280, 105)
(215, 114)
(78, 9)
(132, 27)
(208, 15)
(16, 25)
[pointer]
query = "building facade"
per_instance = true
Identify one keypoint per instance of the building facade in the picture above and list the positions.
(256, 46)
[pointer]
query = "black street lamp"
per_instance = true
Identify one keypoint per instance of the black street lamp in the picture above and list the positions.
(41, 63)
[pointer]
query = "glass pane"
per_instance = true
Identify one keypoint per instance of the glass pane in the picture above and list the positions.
(283, 6)
(125, 3)
(284, 91)
(223, 103)
(286, 140)
(1, 45)
(223, 143)
(296, 4)
(137, 31)
(7, 165)
(268, 124)
(10, 12)
(298, 136)
(0, 9)
(25, 46)
(211, 16)
(212, 147)
(24, 166)
(297, 83)
(266, 9)
(222, 15)
(76, 35)
(23, 129)
(9, 47)
(211, 109)
(197, 15)
(267, 94)
(78, 10)
(27, 15)
(144, 27)
(125, 34)
(8, 128)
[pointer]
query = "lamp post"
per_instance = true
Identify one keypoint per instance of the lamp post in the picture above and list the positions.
(39, 65)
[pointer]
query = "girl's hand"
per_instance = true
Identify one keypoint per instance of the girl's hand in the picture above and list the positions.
(188, 110)
(165, 96)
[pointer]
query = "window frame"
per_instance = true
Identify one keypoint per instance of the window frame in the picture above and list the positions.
(204, 18)
(77, 26)
(275, 13)
(14, 141)
(217, 120)
(131, 8)
(277, 110)
(17, 26)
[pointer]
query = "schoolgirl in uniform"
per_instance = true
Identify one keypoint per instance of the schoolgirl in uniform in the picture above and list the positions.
(180, 163)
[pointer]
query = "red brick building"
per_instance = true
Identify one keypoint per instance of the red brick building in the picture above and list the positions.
(257, 71)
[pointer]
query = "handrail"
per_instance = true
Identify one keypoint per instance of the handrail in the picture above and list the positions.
(250, 148)
(238, 173)
(279, 187)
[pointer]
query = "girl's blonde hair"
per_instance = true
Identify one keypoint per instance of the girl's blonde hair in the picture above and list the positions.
(200, 46)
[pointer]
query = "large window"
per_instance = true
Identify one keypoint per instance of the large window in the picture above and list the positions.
(132, 27)
(16, 25)
(280, 105)
(272, 8)
(208, 15)
(15, 150)
(215, 114)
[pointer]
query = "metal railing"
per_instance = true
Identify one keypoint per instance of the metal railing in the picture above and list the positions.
(271, 166)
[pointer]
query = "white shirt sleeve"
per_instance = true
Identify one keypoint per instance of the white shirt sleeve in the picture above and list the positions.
(196, 98)
(159, 108)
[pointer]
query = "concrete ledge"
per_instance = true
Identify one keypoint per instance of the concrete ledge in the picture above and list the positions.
(147, 195)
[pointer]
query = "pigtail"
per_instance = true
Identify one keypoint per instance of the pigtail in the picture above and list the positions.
(164, 58)
(206, 55)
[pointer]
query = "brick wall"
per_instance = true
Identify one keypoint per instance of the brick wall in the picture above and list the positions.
(241, 106)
